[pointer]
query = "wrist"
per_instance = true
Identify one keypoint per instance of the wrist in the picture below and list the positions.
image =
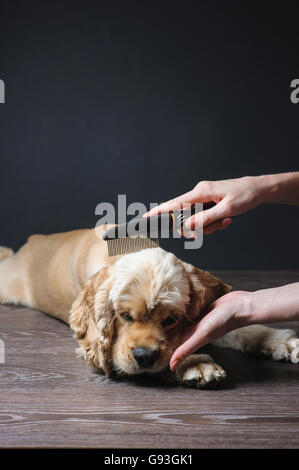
(272, 305)
(244, 307)
(250, 307)
(266, 305)
(267, 187)
(258, 188)
(276, 188)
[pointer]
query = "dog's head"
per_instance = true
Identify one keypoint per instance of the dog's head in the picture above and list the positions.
(131, 315)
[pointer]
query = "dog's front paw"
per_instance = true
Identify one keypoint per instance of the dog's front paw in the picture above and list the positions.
(287, 351)
(200, 371)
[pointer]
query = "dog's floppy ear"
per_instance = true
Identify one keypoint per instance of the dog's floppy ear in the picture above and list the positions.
(92, 320)
(204, 289)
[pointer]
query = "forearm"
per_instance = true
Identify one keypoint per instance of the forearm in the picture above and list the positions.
(237, 309)
(282, 188)
(271, 305)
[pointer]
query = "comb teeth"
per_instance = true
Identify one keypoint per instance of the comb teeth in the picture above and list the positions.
(181, 219)
(121, 246)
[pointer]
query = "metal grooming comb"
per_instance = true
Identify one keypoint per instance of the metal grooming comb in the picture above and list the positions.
(120, 239)
(121, 246)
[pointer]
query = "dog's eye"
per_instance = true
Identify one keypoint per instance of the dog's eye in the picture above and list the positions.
(126, 316)
(169, 321)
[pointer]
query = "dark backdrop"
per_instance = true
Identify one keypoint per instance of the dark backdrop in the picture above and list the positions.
(146, 99)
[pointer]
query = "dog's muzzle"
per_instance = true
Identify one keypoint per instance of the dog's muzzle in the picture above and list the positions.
(145, 357)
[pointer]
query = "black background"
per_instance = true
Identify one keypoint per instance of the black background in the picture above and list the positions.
(146, 99)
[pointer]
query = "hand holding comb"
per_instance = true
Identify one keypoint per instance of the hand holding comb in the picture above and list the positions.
(149, 229)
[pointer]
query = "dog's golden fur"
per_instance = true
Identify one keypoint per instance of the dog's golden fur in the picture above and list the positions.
(69, 275)
(117, 305)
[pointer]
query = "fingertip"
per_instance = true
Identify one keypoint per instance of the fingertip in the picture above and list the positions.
(176, 359)
(152, 212)
(218, 225)
(225, 223)
(188, 234)
(211, 228)
(173, 365)
(209, 231)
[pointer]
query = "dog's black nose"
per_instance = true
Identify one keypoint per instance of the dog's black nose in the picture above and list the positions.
(145, 357)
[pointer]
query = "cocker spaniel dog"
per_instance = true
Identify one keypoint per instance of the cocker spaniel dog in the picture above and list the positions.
(128, 312)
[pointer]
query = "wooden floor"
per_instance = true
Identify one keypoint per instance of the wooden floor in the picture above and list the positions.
(50, 398)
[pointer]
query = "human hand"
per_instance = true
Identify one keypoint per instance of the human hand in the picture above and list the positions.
(232, 197)
(227, 313)
(237, 309)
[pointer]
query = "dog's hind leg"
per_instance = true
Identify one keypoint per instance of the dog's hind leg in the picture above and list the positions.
(279, 344)
(13, 285)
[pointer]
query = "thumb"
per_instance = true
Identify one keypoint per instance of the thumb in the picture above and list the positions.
(206, 217)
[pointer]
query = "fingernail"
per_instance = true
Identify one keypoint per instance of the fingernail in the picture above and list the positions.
(173, 365)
